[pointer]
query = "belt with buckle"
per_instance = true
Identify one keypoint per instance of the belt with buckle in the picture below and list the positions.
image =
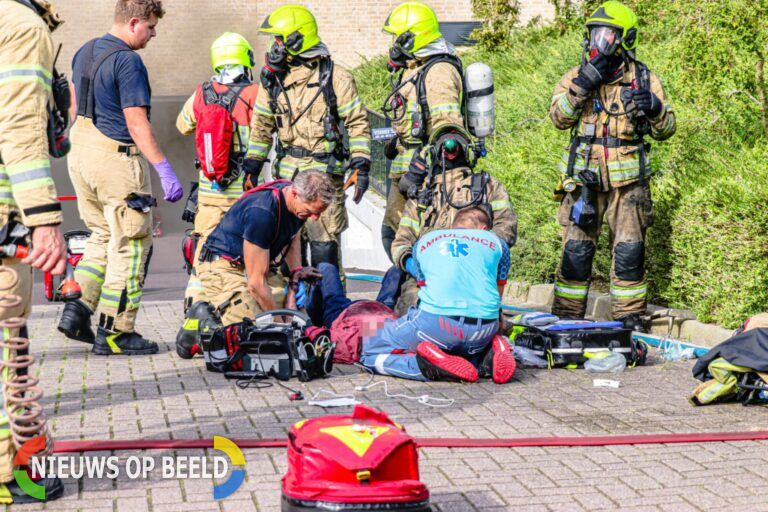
(210, 257)
(128, 150)
(471, 320)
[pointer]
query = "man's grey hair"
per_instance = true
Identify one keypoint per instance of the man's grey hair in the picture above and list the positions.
(313, 186)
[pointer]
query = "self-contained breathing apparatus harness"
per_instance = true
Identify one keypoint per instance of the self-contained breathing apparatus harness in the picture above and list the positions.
(228, 101)
(478, 182)
(642, 124)
(396, 101)
(331, 120)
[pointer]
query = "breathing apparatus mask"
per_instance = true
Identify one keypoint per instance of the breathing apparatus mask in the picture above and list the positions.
(450, 150)
(280, 56)
(584, 211)
(276, 59)
(604, 45)
(400, 52)
(603, 40)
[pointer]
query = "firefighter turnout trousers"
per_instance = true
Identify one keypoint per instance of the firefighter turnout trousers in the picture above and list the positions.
(226, 288)
(324, 234)
(392, 214)
(111, 273)
(208, 216)
(628, 211)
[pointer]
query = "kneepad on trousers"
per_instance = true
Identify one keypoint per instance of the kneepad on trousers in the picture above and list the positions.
(629, 259)
(577, 260)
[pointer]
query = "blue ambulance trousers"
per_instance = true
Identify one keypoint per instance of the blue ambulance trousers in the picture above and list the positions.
(392, 351)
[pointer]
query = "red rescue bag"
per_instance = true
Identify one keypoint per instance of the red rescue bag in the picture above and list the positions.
(352, 463)
(214, 132)
(362, 318)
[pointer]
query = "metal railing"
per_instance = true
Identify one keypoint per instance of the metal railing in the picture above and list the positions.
(379, 163)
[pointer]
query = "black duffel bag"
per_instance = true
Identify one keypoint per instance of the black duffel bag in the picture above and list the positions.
(564, 343)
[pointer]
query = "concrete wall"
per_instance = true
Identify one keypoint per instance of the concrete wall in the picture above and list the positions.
(178, 58)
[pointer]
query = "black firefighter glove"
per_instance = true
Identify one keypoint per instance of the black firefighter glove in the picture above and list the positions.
(411, 182)
(390, 148)
(592, 73)
(647, 102)
(251, 171)
(361, 168)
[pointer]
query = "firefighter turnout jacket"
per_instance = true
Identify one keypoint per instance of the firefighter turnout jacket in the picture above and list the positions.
(443, 86)
(439, 213)
(26, 63)
(606, 139)
(305, 136)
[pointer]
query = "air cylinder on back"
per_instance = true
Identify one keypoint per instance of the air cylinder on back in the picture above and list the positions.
(480, 112)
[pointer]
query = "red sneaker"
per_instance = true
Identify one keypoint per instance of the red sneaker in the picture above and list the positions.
(499, 363)
(437, 365)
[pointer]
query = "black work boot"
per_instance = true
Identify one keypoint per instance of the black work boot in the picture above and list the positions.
(75, 322)
(634, 322)
(54, 489)
(126, 343)
(201, 317)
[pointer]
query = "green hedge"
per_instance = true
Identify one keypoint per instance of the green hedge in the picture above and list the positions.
(707, 250)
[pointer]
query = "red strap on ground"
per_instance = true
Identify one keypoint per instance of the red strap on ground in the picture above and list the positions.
(424, 442)
(67, 198)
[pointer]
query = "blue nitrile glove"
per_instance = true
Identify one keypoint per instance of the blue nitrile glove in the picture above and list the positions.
(301, 294)
(410, 266)
(169, 181)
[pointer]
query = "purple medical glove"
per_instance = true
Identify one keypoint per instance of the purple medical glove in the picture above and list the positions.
(169, 181)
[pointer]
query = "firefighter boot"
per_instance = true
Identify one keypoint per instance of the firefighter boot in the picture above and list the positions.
(437, 365)
(54, 489)
(128, 343)
(499, 362)
(634, 322)
(201, 317)
(75, 322)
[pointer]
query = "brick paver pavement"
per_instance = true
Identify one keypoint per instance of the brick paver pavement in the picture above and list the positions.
(163, 397)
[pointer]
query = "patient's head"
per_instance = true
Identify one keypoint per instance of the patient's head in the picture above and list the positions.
(473, 217)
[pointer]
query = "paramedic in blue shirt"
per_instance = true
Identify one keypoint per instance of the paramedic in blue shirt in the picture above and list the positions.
(452, 333)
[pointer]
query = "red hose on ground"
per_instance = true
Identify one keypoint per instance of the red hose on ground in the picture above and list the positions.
(423, 442)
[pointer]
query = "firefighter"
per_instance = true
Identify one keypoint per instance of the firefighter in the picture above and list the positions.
(610, 103)
(112, 146)
(306, 99)
(450, 185)
(232, 60)
(240, 260)
(27, 194)
(420, 60)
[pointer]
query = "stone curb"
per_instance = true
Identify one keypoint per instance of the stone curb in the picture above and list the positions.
(680, 323)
